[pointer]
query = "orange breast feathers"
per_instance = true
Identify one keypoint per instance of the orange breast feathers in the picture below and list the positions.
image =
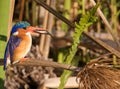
(24, 46)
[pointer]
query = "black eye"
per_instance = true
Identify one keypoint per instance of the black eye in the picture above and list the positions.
(24, 27)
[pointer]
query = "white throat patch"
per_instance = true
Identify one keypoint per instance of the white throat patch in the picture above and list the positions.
(28, 33)
(15, 33)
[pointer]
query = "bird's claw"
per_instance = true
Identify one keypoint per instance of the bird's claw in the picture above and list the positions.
(24, 59)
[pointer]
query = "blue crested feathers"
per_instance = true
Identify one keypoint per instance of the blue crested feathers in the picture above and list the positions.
(21, 24)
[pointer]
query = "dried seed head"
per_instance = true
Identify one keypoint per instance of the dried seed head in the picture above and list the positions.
(97, 75)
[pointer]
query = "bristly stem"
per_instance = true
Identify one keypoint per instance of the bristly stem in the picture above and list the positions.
(85, 21)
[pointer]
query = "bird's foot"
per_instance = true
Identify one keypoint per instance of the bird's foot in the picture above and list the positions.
(24, 59)
(21, 60)
(17, 61)
(9, 68)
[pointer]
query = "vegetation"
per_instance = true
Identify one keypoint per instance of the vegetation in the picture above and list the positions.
(80, 41)
(85, 21)
(4, 15)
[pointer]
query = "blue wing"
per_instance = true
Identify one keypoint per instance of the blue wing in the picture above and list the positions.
(11, 45)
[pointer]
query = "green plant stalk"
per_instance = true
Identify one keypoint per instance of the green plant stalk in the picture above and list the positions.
(27, 10)
(4, 17)
(62, 54)
(114, 15)
(2, 77)
(60, 57)
(68, 73)
(83, 6)
(84, 23)
(114, 60)
(34, 17)
(67, 6)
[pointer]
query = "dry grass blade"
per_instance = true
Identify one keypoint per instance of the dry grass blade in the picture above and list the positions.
(49, 26)
(104, 45)
(107, 24)
(97, 75)
(21, 10)
(42, 39)
(58, 15)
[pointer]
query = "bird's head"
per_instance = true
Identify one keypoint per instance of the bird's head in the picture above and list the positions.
(23, 28)
(22, 24)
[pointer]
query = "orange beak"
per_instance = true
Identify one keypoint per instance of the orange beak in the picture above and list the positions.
(37, 30)
(33, 29)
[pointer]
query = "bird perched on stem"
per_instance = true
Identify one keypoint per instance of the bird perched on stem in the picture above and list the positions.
(20, 42)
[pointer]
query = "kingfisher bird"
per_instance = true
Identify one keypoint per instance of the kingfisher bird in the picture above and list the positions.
(20, 42)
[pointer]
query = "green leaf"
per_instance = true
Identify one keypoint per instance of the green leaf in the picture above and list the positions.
(83, 24)
(4, 25)
(2, 77)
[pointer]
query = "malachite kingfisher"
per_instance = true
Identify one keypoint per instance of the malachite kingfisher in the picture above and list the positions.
(19, 43)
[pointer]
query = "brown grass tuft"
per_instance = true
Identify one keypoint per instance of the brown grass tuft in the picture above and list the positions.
(99, 75)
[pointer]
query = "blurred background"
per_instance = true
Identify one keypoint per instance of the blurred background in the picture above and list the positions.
(56, 47)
